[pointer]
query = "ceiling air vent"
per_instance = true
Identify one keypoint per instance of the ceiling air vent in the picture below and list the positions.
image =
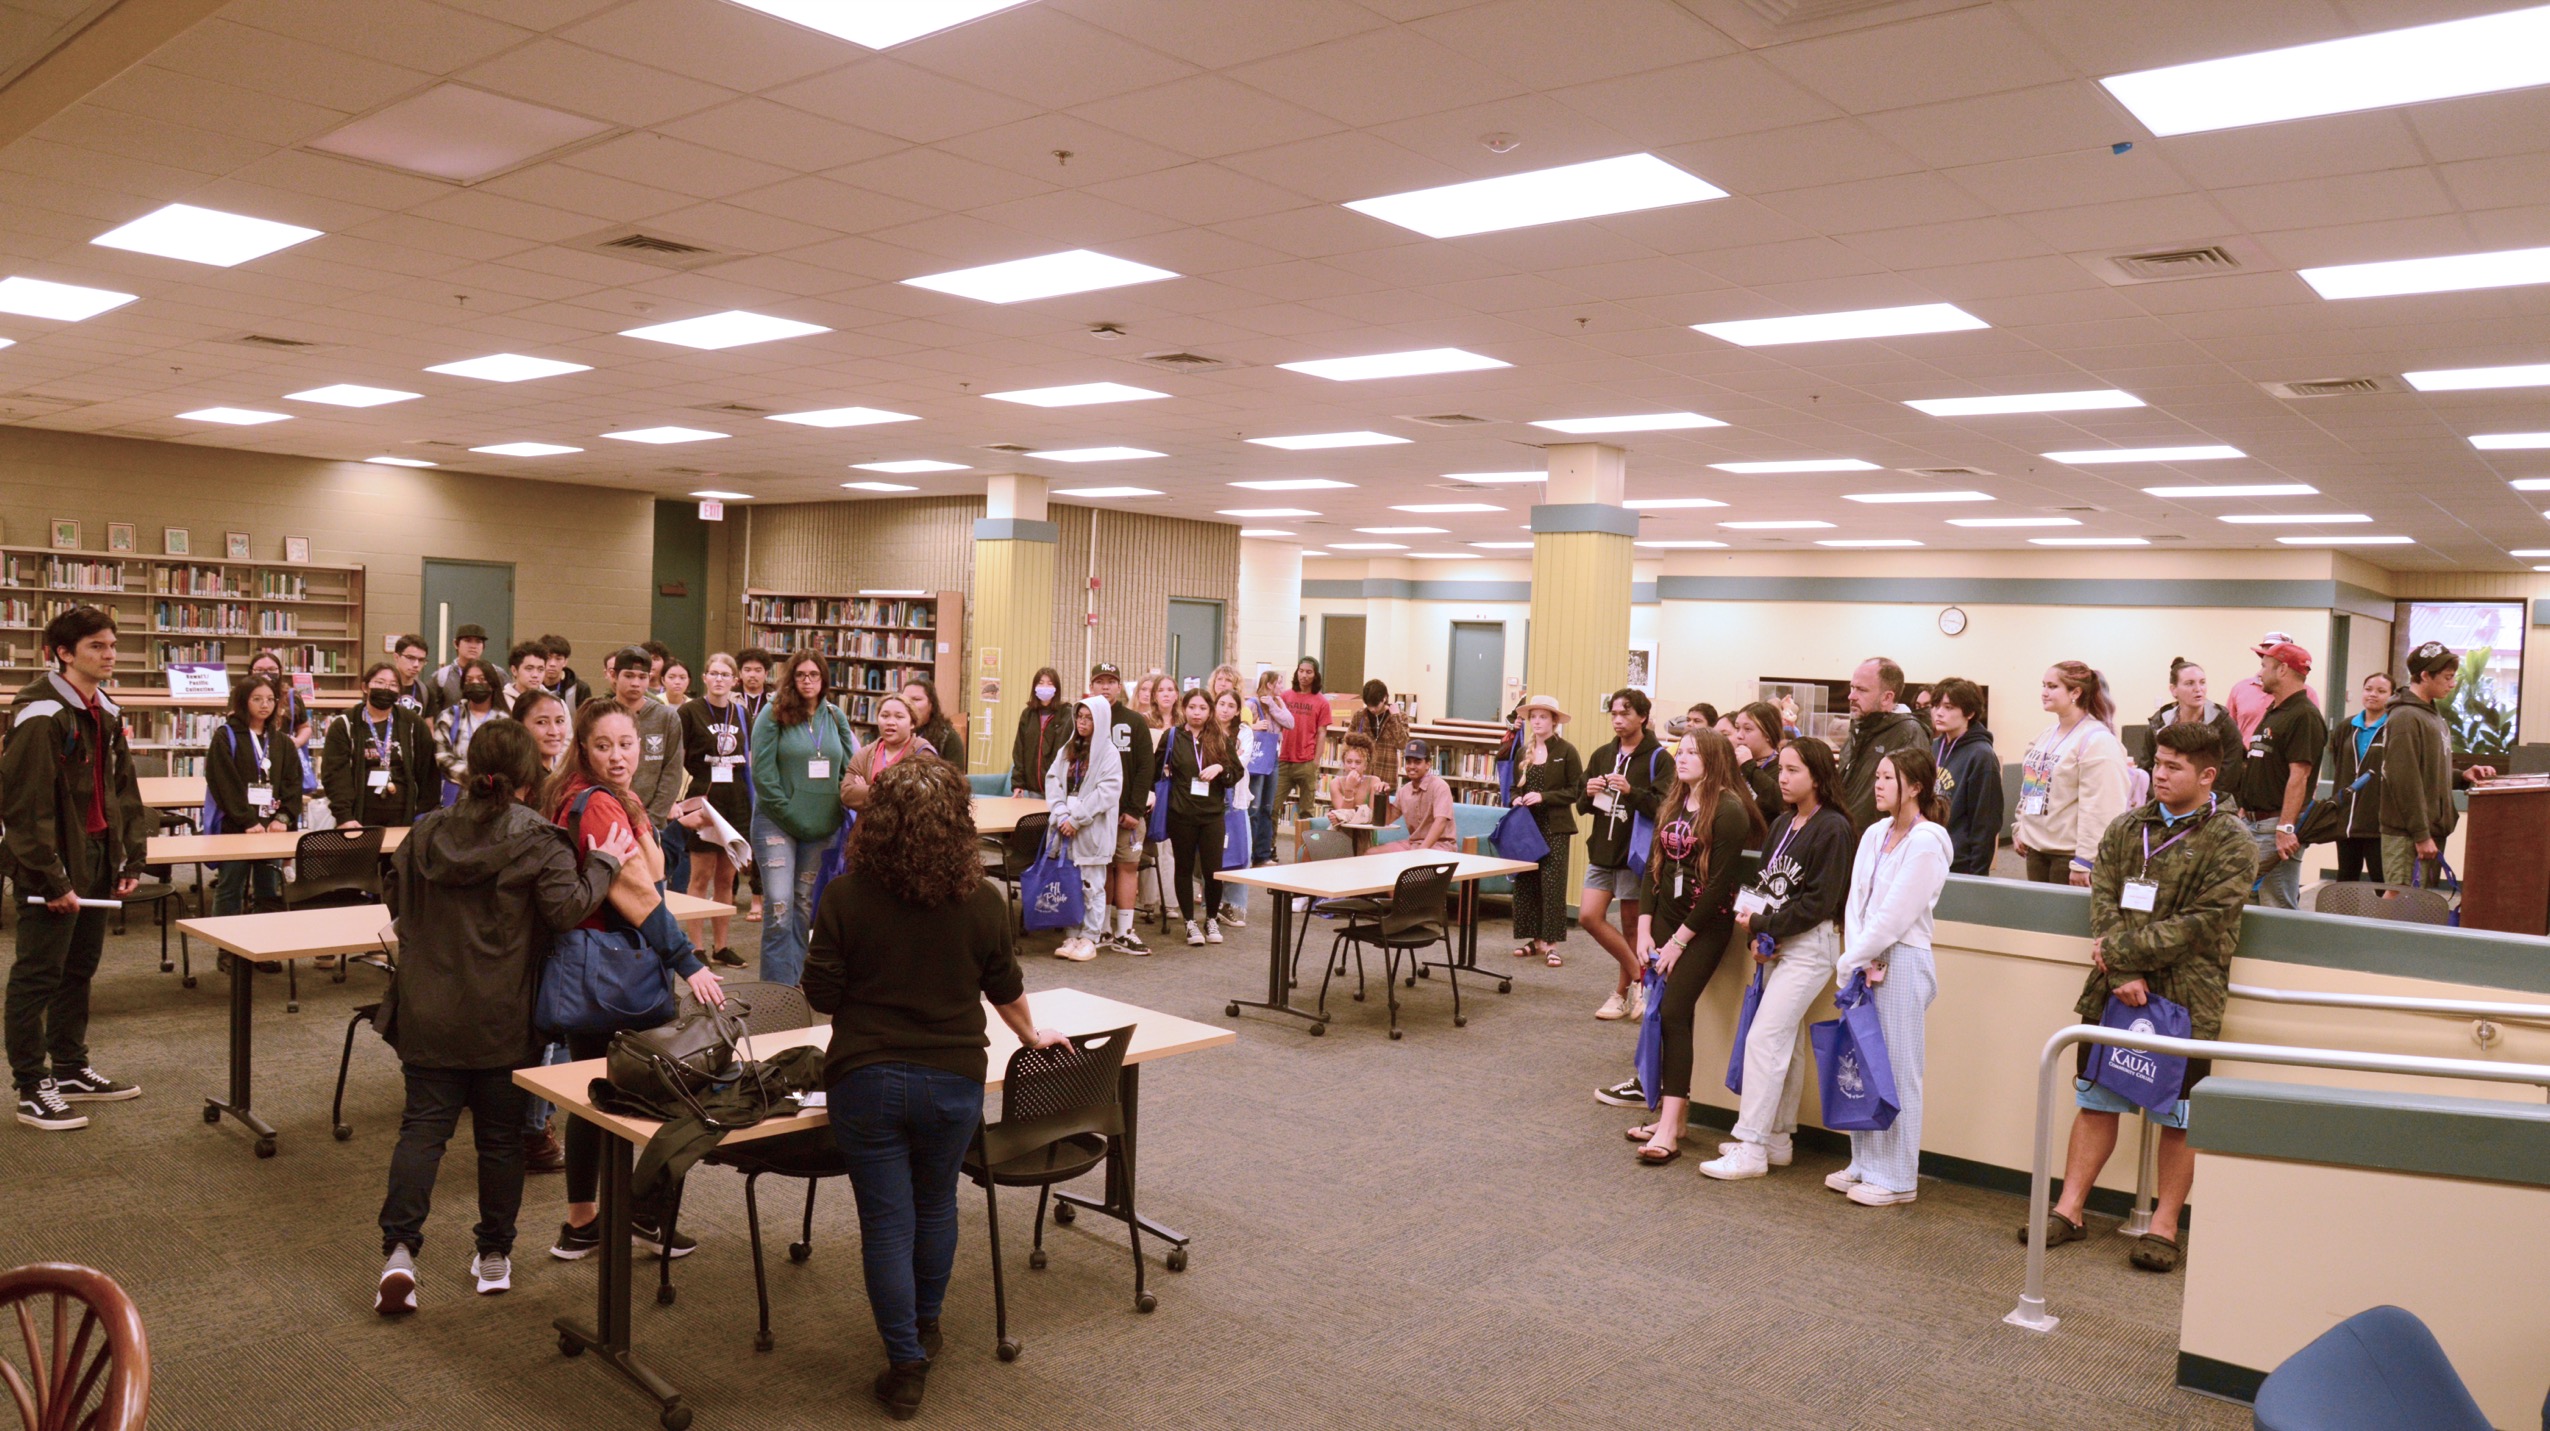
(736, 409)
(1009, 447)
(269, 340)
(1449, 419)
(1945, 471)
(661, 250)
(2177, 262)
(1807, 12)
(1184, 362)
(2335, 387)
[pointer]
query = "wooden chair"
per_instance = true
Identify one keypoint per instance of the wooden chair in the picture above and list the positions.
(89, 1372)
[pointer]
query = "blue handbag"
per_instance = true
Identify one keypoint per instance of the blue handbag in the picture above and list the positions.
(1050, 890)
(1744, 1028)
(2147, 1080)
(1642, 828)
(1160, 790)
(1648, 1059)
(1852, 1072)
(208, 819)
(1235, 840)
(2447, 884)
(1518, 836)
(601, 980)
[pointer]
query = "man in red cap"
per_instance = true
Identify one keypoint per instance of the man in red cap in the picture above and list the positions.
(2281, 769)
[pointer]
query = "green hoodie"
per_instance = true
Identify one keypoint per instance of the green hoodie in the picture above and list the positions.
(805, 806)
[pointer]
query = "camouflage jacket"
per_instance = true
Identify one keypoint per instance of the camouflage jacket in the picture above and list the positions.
(2182, 946)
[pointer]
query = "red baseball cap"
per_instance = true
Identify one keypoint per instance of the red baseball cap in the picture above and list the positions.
(2287, 653)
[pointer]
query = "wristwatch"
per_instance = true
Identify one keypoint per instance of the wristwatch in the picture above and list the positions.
(2284, 829)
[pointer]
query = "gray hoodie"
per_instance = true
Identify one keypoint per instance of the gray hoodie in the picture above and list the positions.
(1091, 805)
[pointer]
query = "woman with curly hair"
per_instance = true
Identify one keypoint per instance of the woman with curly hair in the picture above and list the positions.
(908, 943)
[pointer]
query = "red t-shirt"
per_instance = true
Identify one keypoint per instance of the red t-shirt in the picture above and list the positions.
(1312, 714)
(602, 815)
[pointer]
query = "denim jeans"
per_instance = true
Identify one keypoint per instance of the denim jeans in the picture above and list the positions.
(2280, 887)
(904, 1129)
(435, 1098)
(1261, 819)
(536, 1111)
(240, 885)
(48, 999)
(788, 880)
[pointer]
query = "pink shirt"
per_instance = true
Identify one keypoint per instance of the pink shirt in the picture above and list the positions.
(1422, 802)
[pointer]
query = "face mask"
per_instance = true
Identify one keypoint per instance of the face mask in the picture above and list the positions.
(1044, 693)
(475, 692)
(380, 700)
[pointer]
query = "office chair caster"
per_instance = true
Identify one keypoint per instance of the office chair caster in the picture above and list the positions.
(1505, 986)
(1065, 1213)
(1177, 1259)
(676, 1418)
(1145, 1302)
(1394, 1034)
(1036, 1259)
(800, 1251)
(265, 1147)
(186, 982)
(568, 1346)
(1422, 973)
(1230, 1011)
(1320, 1029)
(762, 1341)
(1461, 1022)
(1359, 998)
(343, 1133)
(212, 1114)
(1010, 1348)
(664, 1296)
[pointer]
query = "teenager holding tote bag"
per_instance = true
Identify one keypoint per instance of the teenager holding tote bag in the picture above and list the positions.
(1549, 776)
(1896, 879)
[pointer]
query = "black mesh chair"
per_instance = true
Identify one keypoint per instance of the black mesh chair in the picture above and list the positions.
(331, 867)
(387, 962)
(159, 894)
(1019, 848)
(1329, 844)
(1419, 917)
(2405, 904)
(1059, 1120)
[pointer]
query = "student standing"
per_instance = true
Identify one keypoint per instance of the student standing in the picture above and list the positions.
(717, 755)
(1622, 789)
(2187, 867)
(2355, 773)
(72, 827)
(657, 781)
(2280, 771)
(469, 647)
(481, 890)
(1044, 726)
(377, 763)
(471, 707)
(526, 667)
(801, 764)
(1085, 787)
(674, 685)
(931, 723)
(1878, 725)
(563, 679)
(896, 742)
(252, 770)
(296, 711)
(1229, 713)
(2417, 770)
(1202, 768)
(1686, 914)
(1271, 719)
(911, 943)
(1548, 778)
(552, 733)
(2188, 703)
(1969, 774)
(1758, 737)
(2072, 778)
(1796, 902)
(408, 656)
(752, 691)
(1130, 734)
(1297, 756)
(1380, 721)
(1896, 880)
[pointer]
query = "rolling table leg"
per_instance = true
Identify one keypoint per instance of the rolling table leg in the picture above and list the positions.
(611, 1292)
(243, 976)
(1120, 1176)
(1279, 944)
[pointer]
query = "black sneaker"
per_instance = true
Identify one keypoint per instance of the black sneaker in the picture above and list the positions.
(899, 1388)
(1130, 942)
(727, 957)
(931, 1338)
(575, 1243)
(1624, 1094)
(643, 1237)
(44, 1107)
(90, 1086)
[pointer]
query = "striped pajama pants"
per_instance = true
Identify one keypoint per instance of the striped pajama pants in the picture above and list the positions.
(1892, 1159)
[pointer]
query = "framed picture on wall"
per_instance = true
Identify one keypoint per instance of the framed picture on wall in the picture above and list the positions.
(119, 536)
(234, 545)
(296, 548)
(173, 542)
(66, 533)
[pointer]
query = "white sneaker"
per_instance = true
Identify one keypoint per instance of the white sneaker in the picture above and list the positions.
(1842, 1181)
(1077, 950)
(494, 1271)
(1781, 1151)
(1613, 1008)
(396, 1295)
(1746, 1160)
(1194, 935)
(1234, 917)
(1212, 931)
(1871, 1195)
(1638, 1000)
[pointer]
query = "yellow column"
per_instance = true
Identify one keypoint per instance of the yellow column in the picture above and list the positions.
(1581, 549)
(1013, 624)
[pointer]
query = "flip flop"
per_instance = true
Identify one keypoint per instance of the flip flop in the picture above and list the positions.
(2154, 1253)
(1648, 1157)
(1640, 1134)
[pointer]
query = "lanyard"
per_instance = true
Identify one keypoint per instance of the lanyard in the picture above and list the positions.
(257, 743)
(721, 722)
(1785, 836)
(2148, 851)
(2054, 757)
(381, 738)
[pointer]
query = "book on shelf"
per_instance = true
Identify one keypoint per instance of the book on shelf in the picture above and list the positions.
(78, 574)
(283, 586)
(802, 611)
(185, 580)
(201, 618)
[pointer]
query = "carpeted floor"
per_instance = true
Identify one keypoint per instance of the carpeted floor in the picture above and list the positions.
(1441, 1232)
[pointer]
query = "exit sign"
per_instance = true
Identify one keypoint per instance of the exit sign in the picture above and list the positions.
(711, 510)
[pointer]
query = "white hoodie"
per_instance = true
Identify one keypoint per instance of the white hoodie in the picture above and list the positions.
(1091, 808)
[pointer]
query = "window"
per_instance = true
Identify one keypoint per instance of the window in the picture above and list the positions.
(2489, 636)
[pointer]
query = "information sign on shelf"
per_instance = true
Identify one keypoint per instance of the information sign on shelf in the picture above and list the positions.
(199, 681)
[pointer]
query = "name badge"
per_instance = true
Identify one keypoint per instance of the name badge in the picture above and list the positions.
(2032, 803)
(2139, 895)
(1751, 901)
(261, 796)
(1608, 803)
(1681, 884)
(1200, 789)
(818, 770)
(377, 779)
(721, 772)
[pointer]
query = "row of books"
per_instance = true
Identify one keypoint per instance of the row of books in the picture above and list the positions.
(176, 727)
(76, 574)
(861, 645)
(184, 580)
(843, 611)
(283, 586)
(177, 653)
(211, 618)
(860, 676)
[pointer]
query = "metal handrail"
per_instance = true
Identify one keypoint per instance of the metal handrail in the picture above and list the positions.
(2031, 1313)
(2472, 1008)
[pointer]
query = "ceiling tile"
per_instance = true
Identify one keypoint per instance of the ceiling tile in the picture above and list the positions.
(910, 103)
(1549, 43)
(1376, 77)
(583, 81)
(410, 34)
(943, 180)
(1044, 57)
(1711, 99)
(649, 158)
(1215, 36)
(1925, 61)
(261, 60)
(777, 134)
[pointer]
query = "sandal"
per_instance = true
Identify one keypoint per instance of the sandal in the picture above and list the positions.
(2058, 1229)
(1556, 959)
(1525, 952)
(1640, 1134)
(1652, 1156)
(2154, 1253)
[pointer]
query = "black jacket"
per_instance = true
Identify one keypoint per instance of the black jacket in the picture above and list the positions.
(1607, 836)
(2227, 737)
(1764, 776)
(1809, 880)
(347, 759)
(945, 739)
(48, 769)
(1186, 758)
(230, 767)
(1132, 735)
(1042, 731)
(1970, 781)
(1560, 779)
(705, 728)
(1872, 736)
(2359, 810)
(479, 903)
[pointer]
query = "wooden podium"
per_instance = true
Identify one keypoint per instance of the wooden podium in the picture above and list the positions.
(2506, 858)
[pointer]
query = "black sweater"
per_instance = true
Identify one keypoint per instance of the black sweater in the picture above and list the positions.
(1560, 779)
(1970, 781)
(1697, 893)
(944, 738)
(1607, 836)
(905, 983)
(711, 734)
(1132, 735)
(1042, 732)
(230, 767)
(1764, 776)
(347, 760)
(1810, 879)
(1186, 758)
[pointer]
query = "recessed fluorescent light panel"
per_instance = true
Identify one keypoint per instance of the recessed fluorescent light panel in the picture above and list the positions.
(2250, 519)
(459, 134)
(1264, 532)
(234, 416)
(878, 26)
(878, 487)
(1774, 526)
(1294, 484)
(1811, 464)
(917, 464)
(1859, 323)
(1265, 512)
(663, 436)
(1503, 546)
(2506, 268)
(1396, 365)
(526, 449)
(61, 302)
(397, 462)
(1883, 498)
(1105, 492)
(1497, 479)
(2089, 541)
(2346, 541)
(2456, 380)
(1445, 556)
(2025, 402)
(734, 328)
(2013, 522)
(2511, 441)
(2253, 489)
(2482, 55)
(1866, 542)
(1448, 509)
(508, 368)
(1076, 395)
(1368, 546)
(1544, 196)
(1670, 504)
(2531, 484)
(842, 417)
(1401, 531)
(1319, 441)
(351, 395)
(714, 495)
(1633, 422)
(211, 236)
(2097, 456)
(1051, 276)
(1680, 546)
(1095, 454)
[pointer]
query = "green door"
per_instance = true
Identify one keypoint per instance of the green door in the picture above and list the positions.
(679, 612)
(461, 593)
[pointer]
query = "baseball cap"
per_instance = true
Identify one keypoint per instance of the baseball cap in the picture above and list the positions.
(2288, 653)
(2429, 658)
(1105, 671)
(471, 632)
(1416, 750)
(2273, 638)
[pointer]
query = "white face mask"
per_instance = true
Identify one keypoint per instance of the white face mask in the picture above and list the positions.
(1044, 693)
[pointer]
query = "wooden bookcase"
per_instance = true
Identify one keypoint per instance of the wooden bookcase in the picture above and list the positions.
(873, 644)
(1464, 751)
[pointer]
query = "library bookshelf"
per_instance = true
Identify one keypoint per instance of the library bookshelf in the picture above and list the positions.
(872, 642)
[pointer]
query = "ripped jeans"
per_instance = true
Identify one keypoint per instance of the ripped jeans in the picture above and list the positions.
(787, 881)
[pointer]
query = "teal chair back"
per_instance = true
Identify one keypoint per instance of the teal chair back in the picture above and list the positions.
(989, 784)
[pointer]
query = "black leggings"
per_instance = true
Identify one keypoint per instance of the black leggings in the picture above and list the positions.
(584, 1141)
(1683, 988)
(1194, 838)
(2359, 858)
